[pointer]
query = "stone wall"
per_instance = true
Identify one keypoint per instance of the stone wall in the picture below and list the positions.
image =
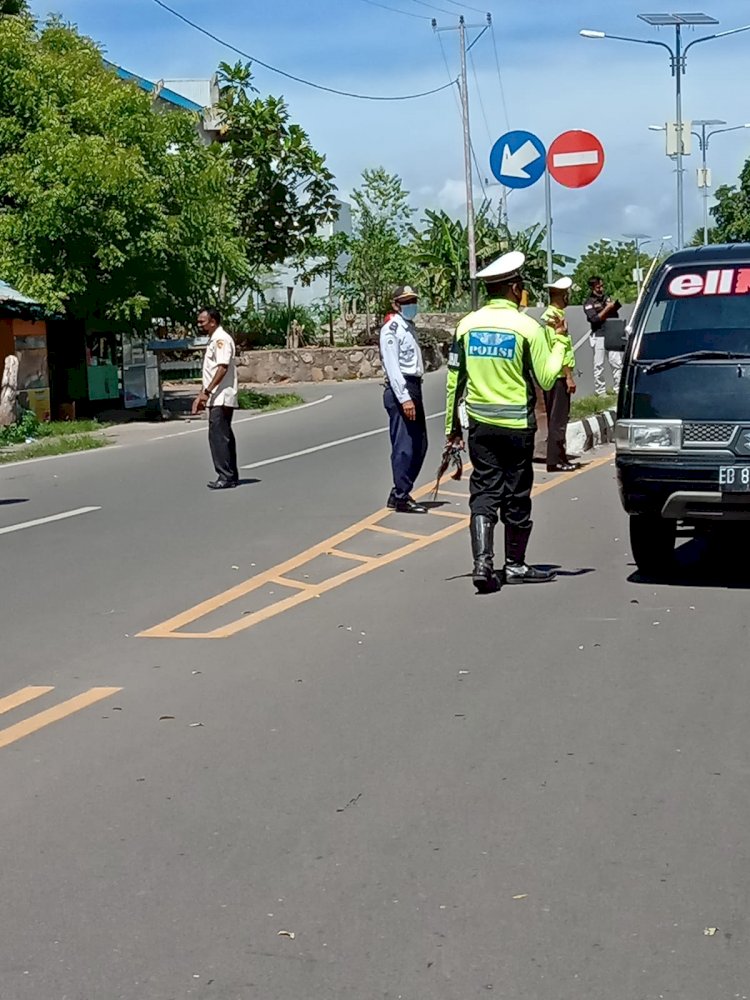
(318, 364)
(440, 326)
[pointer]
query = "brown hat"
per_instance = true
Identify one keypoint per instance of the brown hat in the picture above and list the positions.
(403, 292)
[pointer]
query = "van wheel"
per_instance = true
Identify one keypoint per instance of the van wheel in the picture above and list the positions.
(652, 541)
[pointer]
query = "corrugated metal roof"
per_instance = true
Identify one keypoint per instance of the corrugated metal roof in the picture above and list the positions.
(162, 93)
(8, 294)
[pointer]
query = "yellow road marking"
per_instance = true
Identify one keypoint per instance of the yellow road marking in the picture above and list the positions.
(454, 493)
(285, 581)
(170, 629)
(350, 555)
(392, 531)
(54, 714)
(11, 701)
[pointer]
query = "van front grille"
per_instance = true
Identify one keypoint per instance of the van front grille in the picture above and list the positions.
(711, 435)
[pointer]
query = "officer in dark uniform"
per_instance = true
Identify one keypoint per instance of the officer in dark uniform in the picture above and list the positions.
(404, 368)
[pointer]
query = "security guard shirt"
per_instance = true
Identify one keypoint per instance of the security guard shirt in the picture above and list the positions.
(494, 353)
(550, 316)
(221, 351)
(400, 353)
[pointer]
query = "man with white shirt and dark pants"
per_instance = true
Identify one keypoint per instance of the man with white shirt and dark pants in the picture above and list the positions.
(402, 361)
(219, 395)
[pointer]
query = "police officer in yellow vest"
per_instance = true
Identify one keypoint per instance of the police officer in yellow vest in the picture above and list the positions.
(494, 354)
(557, 399)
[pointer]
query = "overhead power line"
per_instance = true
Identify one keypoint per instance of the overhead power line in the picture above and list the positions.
(441, 10)
(397, 10)
(291, 76)
(466, 6)
(500, 78)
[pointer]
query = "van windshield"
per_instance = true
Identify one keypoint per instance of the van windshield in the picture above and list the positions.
(699, 308)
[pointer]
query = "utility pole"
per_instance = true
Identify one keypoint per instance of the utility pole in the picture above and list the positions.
(464, 88)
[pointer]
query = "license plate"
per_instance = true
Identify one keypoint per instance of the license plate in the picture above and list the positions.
(734, 478)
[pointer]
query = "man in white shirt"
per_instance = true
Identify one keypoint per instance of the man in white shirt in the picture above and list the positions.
(402, 361)
(219, 395)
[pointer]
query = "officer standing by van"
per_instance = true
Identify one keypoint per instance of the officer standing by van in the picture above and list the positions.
(404, 368)
(557, 399)
(495, 353)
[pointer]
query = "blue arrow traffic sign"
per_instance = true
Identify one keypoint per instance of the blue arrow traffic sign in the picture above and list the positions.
(518, 159)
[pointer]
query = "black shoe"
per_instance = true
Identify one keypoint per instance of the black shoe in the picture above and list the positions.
(523, 573)
(482, 535)
(393, 500)
(222, 484)
(562, 467)
(407, 506)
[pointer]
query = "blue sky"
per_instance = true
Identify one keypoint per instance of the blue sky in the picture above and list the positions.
(553, 81)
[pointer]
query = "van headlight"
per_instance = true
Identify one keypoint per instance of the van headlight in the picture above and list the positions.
(648, 435)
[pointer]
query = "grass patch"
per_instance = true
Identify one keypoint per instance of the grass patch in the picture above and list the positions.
(64, 428)
(29, 427)
(53, 446)
(249, 399)
(587, 406)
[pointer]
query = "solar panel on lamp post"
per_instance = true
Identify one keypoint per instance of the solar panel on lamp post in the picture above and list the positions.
(677, 57)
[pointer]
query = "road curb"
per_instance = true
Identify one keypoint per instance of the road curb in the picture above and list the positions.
(589, 432)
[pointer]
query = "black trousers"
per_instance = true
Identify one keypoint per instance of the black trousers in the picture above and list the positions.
(557, 404)
(221, 442)
(501, 481)
(408, 438)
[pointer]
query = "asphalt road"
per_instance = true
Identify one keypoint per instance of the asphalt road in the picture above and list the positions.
(538, 795)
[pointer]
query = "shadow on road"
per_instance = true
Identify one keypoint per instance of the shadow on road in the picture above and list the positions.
(9, 500)
(719, 557)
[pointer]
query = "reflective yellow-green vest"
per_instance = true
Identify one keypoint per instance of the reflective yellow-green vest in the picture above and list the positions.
(550, 314)
(494, 354)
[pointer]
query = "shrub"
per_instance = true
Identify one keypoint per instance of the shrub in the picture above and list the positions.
(268, 327)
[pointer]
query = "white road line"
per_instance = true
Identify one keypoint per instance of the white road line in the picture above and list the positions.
(577, 159)
(47, 520)
(244, 420)
(579, 342)
(327, 444)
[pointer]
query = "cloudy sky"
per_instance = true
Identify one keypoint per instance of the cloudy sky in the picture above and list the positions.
(552, 79)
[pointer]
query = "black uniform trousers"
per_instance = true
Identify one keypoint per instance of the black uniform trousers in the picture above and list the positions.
(408, 438)
(222, 443)
(557, 404)
(501, 481)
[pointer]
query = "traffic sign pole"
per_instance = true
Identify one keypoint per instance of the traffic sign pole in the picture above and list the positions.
(548, 210)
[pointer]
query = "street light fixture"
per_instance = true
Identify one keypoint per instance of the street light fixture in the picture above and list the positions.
(678, 65)
(703, 137)
(638, 239)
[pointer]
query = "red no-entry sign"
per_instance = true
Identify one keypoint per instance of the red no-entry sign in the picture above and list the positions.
(575, 159)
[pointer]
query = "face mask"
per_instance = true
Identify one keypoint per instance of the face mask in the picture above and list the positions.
(409, 310)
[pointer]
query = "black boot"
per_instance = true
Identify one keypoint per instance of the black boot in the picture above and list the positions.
(517, 569)
(482, 535)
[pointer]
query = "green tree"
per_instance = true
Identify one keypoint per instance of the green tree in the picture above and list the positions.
(379, 252)
(329, 257)
(441, 251)
(614, 263)
(732, 211)
(282, 188)
(13, 7)
(107, 210)
(697, 240)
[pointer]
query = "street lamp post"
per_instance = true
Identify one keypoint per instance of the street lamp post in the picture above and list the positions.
(638, 239)
(678, 57)
(704, 137)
